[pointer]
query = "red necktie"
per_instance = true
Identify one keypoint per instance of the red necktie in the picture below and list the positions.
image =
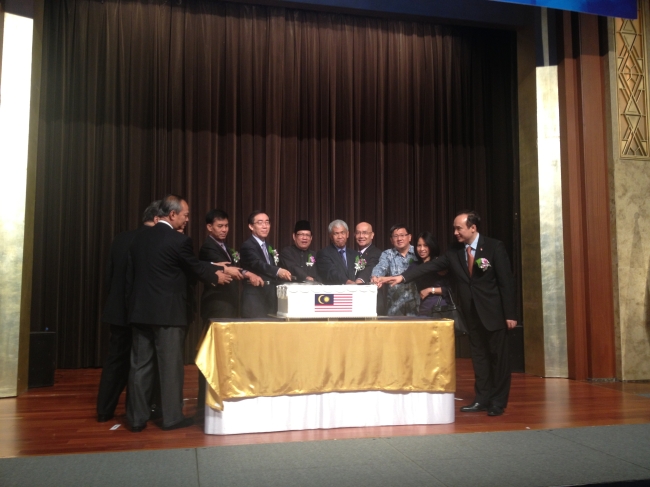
(470, 260)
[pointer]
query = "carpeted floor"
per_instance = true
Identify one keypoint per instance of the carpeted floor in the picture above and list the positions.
(607, 455)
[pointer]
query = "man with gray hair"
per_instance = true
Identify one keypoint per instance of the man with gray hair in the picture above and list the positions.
(161, 261)
(337, 263)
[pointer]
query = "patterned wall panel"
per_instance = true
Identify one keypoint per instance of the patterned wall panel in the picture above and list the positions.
(632, 87)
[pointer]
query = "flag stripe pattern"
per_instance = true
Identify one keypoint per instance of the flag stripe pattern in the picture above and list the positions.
(330, 303)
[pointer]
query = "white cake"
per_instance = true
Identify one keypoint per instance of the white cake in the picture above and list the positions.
(320, 301)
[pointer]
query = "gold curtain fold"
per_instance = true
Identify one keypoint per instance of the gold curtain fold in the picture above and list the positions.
(252, 359)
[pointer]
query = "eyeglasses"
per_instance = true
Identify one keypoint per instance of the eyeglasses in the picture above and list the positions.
(303, 234)
(262, 222)
(362, 233)
(404, 235)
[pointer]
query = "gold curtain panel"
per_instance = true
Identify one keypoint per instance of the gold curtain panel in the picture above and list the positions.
(251, 359)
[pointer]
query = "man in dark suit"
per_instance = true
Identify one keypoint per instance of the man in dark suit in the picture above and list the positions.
(336, 262)
(161, 261)
(115, 373)
(222, 301)
(363, 234)
(486, 288)
(259, 257)
(298, 258)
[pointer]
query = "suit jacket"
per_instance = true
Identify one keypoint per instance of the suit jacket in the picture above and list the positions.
(253, 259)
(161, 265)
(492, 291)
(115, 308)
(371, 255)
(331, 267)
(295, 261)
(211, 251)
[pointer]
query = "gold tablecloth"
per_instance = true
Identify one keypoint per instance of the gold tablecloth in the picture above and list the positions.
(252, 359)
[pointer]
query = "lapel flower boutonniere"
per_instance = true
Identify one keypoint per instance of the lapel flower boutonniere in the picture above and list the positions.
(275, 254)
(234, 255)
(310, 260)
(359, 264)
(483, 263)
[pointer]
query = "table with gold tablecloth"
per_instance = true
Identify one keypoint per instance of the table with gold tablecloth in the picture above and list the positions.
(304, 369)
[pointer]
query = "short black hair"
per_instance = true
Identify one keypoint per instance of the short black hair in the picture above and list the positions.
(215, 214)
(251, 217)
(431, 242)
(151, 211)
(473, 218)
(397, 226)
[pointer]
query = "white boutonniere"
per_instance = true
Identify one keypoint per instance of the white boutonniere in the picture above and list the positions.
(310, 260)
(234, 255)
(359, 264)
(275, 254)
(483, 263)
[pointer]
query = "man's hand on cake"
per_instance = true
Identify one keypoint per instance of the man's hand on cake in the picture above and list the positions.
(234, 272)
(254, 279)
(284, 274)
(223, 277)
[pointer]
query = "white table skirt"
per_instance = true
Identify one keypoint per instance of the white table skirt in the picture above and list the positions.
(329, 410)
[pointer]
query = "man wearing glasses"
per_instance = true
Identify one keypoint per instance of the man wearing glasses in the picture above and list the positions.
(402, 299)
(368, 252)
(259, 257)
(298, 258)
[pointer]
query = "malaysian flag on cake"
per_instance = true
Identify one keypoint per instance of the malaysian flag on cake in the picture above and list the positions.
(330, 303)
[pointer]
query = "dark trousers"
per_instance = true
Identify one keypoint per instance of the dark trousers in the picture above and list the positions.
(115, 373)
(490, 360)
(258, 302)
(163, 344)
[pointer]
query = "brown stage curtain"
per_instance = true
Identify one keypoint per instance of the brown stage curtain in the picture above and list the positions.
(303, 114)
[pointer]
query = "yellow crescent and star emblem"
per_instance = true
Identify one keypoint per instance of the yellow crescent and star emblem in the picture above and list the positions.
(324, 299)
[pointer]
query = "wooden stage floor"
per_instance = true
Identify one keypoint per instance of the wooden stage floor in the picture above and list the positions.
(61, 419)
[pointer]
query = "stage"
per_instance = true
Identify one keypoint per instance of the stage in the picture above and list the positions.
(61, 419)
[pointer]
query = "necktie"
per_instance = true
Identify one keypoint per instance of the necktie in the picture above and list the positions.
(225, 250)
(266, 253)
(342, 252)
(470, 260)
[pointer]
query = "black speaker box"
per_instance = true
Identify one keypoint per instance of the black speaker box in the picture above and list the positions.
(42, 358)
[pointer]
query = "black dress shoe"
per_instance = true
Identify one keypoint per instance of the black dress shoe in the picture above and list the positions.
(181, 424)
(137, 429)
(156, 413)
(102, 418)
(473, 408)
(495, 411)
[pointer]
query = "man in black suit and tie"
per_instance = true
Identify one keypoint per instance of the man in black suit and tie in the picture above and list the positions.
(363, 234)
(222, 301)
(260, 258)
(486, 288)
(161, 261)
(115, 373)
(336, 262)
(369, 255)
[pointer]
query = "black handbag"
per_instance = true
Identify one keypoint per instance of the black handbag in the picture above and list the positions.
(451, 312)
